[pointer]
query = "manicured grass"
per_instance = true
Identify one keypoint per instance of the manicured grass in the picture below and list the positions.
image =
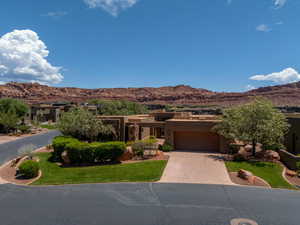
(270, 172)
(52, 174)
(49, 126)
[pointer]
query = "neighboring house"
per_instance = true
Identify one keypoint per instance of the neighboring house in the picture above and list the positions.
(181, 129)
(51, 112)
(292, 139)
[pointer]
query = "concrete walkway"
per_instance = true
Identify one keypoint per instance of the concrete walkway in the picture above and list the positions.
(196, 167)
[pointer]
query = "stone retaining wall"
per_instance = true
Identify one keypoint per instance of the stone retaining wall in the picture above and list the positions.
(289, 159)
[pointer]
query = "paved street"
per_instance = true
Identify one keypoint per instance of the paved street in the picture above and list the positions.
(195, 167)
(146, 203)
(10, 149)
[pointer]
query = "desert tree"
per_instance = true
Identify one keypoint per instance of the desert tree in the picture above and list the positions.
(255, 122)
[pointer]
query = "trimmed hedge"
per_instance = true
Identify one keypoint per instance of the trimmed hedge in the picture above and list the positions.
(29, 169)
(81, 152)
(59, 143)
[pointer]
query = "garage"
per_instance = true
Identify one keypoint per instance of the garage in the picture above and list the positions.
(196, 141)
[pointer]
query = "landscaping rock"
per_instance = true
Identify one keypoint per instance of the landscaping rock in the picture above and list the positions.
(65, 158)
(272, 155)
(244, 174)
(291, 173)
(127, 155)
(248, 148)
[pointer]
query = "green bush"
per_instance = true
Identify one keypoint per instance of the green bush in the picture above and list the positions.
(139, 147)
(234, 148)
(59, 143)
(24, 129)
(29, 169)
(129, 143)
(109, 151)
(83, 152)
(74, 150)
(166, 148)
(239, 157)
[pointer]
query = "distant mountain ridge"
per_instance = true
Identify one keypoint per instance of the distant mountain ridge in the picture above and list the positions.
(281, 95)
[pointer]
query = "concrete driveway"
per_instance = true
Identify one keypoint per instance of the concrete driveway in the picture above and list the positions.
(196, 167)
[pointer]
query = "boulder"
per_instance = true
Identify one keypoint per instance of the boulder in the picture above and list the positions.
(291, 173)
(127, 155)
(65, 158)
(248, 148)
(271, 155)
(244, 174)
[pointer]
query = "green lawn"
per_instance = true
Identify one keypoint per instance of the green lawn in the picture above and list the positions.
(52, 174)
(270, 172)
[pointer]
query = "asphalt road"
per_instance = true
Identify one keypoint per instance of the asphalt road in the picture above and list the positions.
(146, 204)
(10, 149)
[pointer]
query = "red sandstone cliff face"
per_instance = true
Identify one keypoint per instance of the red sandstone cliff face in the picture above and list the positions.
(281, 95)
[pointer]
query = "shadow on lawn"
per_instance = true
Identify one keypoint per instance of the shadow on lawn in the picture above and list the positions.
(62, 165)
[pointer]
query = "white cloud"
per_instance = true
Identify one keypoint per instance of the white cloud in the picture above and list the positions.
(114, 7)
(263, 28)
(249, 87)
(279, 3)
(285, 76)
(23, 59)
(56, 15)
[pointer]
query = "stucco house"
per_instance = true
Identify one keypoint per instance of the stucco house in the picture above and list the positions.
(182, 130)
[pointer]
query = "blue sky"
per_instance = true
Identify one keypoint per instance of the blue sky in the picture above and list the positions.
(219, 45)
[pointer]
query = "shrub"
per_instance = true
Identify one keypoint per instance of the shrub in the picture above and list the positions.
(29, 169)
(74, 149)
(83, 152)
(109, 151)
(139, 147)
(59, 143)
(239, 157)
(166, 147)
(234, 148)
(129, 143)
(24, 129)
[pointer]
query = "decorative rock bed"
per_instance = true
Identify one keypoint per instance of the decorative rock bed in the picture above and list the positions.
(8, 172)
(243, 177)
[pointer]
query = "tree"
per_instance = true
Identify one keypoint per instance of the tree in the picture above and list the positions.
(80, 123)
(12, 111)
(8, 122)
(115, 107)
(9, 105)
(255, 122)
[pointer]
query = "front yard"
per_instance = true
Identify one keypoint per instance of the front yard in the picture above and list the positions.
(53, 174)
(270, 172)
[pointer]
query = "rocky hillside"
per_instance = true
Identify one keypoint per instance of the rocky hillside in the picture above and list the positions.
(281, 95)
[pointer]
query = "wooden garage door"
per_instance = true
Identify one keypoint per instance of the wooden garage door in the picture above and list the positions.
(196, 141)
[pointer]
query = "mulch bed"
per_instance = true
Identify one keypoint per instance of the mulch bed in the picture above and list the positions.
(257, 181)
